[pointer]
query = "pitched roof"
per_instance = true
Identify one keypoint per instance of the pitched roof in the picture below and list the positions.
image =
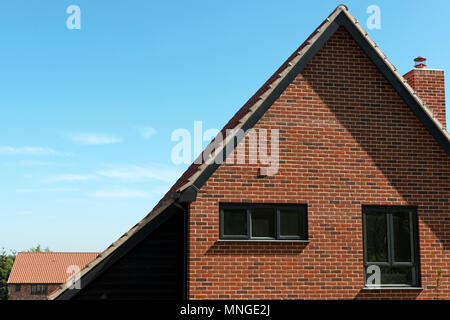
(249, 114)
(47, 267)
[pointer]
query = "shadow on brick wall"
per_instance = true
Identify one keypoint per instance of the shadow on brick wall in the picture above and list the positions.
(256, 248)
(387, 294)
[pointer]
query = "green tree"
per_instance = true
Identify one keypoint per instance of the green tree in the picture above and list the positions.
(39, 249)
(6, 263)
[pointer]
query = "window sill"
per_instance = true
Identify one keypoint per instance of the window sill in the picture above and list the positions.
(392, 288)
(263, 240)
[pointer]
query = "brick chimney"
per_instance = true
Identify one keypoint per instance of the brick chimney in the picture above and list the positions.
(429, 85)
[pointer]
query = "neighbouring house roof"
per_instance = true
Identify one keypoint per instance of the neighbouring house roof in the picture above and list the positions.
(190, 182)
(47, 267)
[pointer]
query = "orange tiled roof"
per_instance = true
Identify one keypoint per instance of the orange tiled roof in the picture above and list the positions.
(47, 267)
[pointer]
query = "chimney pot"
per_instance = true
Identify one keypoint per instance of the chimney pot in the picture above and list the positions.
(419, 62)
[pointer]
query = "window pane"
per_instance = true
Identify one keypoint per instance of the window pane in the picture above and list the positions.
(376, 233)
(393, 276)
(263, 222)
(402, 236)
(235, 222)
(39, 289)
(290, 222)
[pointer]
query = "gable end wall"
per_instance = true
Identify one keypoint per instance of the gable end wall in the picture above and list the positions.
(346, 139)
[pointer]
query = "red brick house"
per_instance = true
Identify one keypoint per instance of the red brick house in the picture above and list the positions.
(35, 274)
(358, 207)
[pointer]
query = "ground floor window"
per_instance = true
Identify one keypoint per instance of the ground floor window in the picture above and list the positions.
(263, 221)
(39, 289)
(390, 246)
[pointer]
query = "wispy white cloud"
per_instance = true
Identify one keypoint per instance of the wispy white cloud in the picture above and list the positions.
(67, 178)
(33, 190)
(147, 132)
(138, 173)
(121, 193)
(94, 138)
(8, 150)
(34, 163)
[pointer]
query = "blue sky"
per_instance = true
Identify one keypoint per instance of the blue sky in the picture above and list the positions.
(87, 115)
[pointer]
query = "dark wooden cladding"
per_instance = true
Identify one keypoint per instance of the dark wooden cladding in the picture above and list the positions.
(152, 270)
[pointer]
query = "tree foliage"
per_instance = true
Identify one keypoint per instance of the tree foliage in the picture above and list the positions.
(6, 263)
(39, 249)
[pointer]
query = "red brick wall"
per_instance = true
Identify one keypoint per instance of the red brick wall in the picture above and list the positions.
(346, 140)
(25, 292)
(430, 87)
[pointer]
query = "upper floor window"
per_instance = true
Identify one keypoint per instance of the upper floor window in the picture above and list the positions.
(18, 287)
(390, 246)
(263, 222)
(38, 289)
